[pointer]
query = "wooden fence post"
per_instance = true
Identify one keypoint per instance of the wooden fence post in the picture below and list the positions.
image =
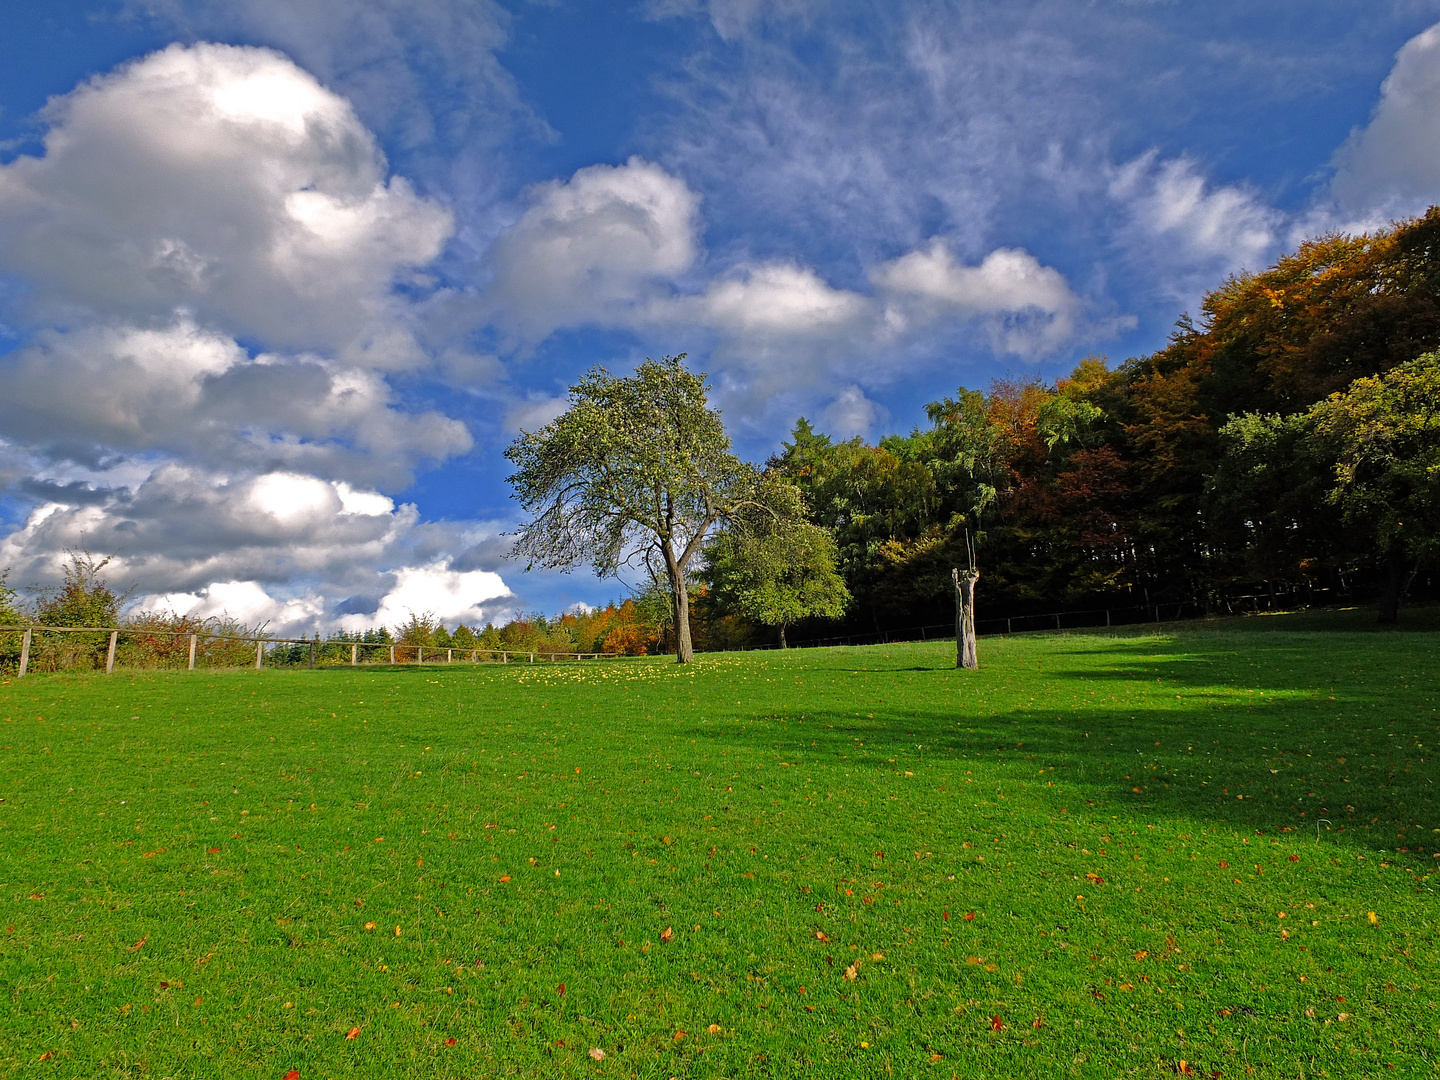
(191, 666)
(420, 654)
(392, 654)
(354, 655)
(259, 653)
(312, 656)
(449, 656)
(25, 652)
(110, 653)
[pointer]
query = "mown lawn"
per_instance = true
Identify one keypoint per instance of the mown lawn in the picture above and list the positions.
(1097, 856)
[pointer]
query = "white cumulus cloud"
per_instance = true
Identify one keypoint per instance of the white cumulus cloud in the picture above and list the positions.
(450, 595)
(590, 248)
(1029, 309)
(227, 181)
(1391, 167)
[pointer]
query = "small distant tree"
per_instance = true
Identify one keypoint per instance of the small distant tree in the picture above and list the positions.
(776, 568)
(85, 599)
(635, 468)
(418, 631)
(463, 638)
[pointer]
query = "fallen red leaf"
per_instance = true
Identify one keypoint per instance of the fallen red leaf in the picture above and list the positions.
(1294, 858)
(1223, 864)
(945, 915)
(353, 1033)
(293, 1074)
(996, 1024)
(213, 851)
(450, 1041)
(46, 1055)
(1096, 878)
(969, 916)
(560, 989)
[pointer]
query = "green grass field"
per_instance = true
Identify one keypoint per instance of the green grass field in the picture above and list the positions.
(1097, 856)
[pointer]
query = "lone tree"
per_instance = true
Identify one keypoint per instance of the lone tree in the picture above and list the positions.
(775, 567)
(635, 468)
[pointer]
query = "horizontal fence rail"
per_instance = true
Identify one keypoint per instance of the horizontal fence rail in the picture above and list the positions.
(397, 652)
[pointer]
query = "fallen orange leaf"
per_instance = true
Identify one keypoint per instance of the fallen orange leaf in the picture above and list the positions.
(597, 1053)
(450, 1041)
(353, 1033)
(667, 933)
(505, 879)
(969, 916)
(852, 971)
(680, 1035)
(138, 944)
(293, 1074)
(996, 1024)
(713, 1029)
(1038, 1022)
(1096, 878)
(820, 936)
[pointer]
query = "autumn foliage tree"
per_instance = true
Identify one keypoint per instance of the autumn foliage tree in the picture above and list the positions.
(1251, 453)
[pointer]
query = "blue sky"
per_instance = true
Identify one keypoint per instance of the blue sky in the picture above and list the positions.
(279, 280)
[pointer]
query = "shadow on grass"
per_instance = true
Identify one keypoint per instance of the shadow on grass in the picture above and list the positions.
(1334, 730)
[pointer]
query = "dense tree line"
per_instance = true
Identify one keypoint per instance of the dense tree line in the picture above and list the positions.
(1284, 440)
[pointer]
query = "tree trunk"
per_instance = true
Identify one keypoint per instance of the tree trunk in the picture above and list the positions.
(1397, 587)
(966, 655)
(680, 603)
(782, 636)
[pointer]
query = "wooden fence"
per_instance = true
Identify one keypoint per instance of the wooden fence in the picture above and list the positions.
(398, 652)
